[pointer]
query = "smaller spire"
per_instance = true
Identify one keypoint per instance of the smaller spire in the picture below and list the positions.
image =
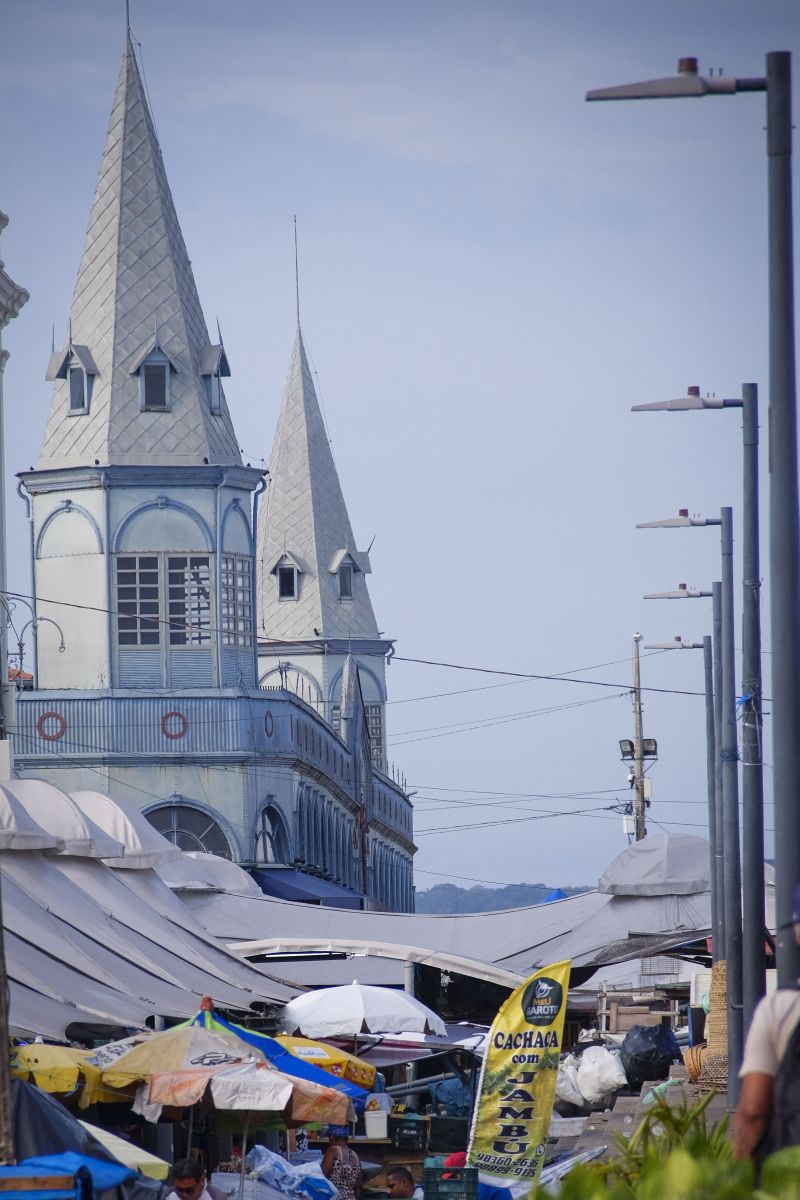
(296, 272)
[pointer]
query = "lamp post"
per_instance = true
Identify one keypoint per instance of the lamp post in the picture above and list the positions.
(783, 494)
(728, 818)
(753, 915)
(714, 835)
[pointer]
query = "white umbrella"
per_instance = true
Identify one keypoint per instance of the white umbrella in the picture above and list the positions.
(357, 1008)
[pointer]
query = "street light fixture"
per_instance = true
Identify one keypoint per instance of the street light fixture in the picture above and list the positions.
(681, 592)
(729, 757)
(753, 915)
(783, 492)
(715, 840)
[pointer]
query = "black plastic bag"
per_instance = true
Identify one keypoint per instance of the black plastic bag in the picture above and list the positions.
(648, 1052)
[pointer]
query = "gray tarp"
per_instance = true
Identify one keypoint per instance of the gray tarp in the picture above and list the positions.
(590, 929)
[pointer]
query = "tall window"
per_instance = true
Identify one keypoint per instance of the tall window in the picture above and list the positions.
(138, 600)
(236, 601)
(272, 844)
(189, 590)
(154, 381)
(77, 390)
(287, 583)
(346, 581)
(375, 725)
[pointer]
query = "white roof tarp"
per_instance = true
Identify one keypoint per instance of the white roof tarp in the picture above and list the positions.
(79, 937)
(591, 929)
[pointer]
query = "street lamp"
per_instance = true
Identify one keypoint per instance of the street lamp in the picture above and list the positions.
(753, 916)
(783, 495)
(729, 756)
(714, 834)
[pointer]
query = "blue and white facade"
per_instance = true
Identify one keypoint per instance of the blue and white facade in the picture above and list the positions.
(163, 675)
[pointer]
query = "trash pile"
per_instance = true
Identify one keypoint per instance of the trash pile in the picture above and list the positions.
(589, 1077)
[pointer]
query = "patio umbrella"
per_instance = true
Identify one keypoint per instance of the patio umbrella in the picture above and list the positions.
(282, 1057)
(358, 1008)
(183, 1047)
(330, 1058)
(52, 1068)
(248, 1087)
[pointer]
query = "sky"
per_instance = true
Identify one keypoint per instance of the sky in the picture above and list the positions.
(491, 272)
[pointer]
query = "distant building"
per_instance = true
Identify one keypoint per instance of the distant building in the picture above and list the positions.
(235, 693)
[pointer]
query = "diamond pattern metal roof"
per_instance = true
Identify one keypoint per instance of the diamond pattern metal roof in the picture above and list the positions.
(135, 285)
(305, 516)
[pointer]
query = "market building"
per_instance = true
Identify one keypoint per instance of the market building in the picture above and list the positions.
(218, 665)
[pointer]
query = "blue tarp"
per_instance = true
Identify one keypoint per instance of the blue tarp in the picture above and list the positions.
(104, 1175)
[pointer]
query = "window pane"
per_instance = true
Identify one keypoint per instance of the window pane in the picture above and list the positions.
(235, 599)
(77, 395)
(137, 602)
(155, 385)
(189, 601)
(345, 582)
(286, 583)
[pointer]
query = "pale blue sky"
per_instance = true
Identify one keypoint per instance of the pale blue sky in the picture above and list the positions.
(492, 273)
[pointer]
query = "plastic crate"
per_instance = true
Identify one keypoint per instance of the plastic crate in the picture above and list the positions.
(408, 1133)
(461, 1182)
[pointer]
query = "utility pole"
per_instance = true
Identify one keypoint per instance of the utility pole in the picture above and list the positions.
(12, 298)
(639, 828)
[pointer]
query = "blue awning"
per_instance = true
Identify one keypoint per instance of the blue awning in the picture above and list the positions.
(287, 883)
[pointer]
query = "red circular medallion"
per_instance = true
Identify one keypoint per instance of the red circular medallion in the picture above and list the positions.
(50, 734)
(174, 724)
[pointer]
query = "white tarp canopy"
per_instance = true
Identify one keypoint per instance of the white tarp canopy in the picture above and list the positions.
(87, 943)
(591, 929)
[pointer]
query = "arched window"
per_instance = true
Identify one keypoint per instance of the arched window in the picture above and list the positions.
(272, 842)
(190, 828)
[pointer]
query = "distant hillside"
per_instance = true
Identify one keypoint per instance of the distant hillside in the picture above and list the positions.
(447, 898)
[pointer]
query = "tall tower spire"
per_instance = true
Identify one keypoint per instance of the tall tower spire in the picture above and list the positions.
(304, 524)
(136, 306)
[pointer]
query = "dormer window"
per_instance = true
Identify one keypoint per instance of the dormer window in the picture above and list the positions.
(287, 583)
(214, 393)
(76, 365)
(213, 369)
(155, 369)
(78, 400)
(346, 581)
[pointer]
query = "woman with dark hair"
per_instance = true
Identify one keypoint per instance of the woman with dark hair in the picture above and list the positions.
(341, 1164)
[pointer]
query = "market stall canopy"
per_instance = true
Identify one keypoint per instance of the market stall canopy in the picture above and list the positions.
(591, 929)
(143, 846)
(675, 864)
(18, 830)
(358, 1008)
(94, 948)
(64, 819)
(197, 871)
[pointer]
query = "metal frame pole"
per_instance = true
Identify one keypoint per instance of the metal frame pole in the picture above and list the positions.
(711, 767)
(753, 914)
(639, 825)
(729, 755)
(784, 554)
(716, 601)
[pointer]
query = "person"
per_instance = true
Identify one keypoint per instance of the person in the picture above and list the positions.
(341, 1164)
(400, 1184)
(189, 1182)
(767, 1116)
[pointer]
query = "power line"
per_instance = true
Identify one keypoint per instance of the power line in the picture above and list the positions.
(174, 623)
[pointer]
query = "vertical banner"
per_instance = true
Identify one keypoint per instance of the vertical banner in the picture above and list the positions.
(518, 1083)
